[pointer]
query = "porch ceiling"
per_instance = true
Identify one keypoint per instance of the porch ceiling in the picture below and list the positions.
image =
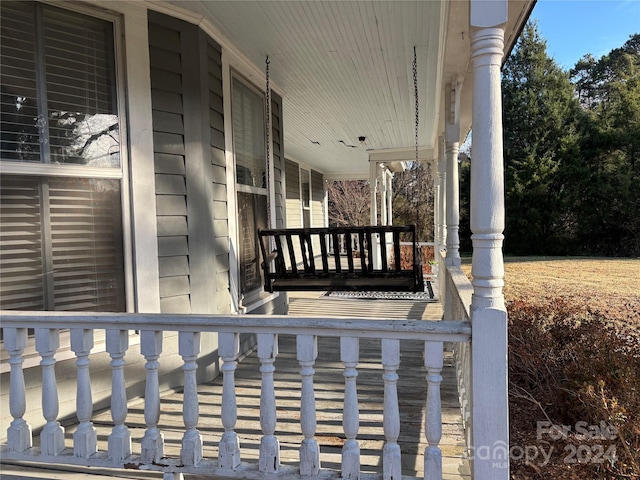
(344, 69)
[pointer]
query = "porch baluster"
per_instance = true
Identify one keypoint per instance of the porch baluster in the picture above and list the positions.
(119, 442)
(433, 427)
(229, 448)
(391, 457)
(19, 432)
(153, 440)
(189, 348)
(52, 436)
(349, 355)
(85, 440)
(307, 352)
(269, 460)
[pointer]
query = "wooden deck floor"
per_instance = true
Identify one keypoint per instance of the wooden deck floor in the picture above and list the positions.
(329, 387)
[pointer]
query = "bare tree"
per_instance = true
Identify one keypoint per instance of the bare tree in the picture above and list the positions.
(349, 203)
(413, 199)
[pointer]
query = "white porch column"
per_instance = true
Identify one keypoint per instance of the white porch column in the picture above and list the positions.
(374, 179)
(451, 149)
(453, 205)
(384, 219)
(436, 201)
(441, 236)
(490, 417)
(373, 187)
(390, 198)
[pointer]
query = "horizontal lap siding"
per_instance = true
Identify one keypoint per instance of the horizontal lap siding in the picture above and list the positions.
(190, 167)
(220, 217)
(292, 172)
(278, 158)
(293, 201)
(170, 168)
(317, 199)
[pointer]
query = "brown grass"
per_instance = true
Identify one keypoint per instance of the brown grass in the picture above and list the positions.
(607, 285)
(574, 355)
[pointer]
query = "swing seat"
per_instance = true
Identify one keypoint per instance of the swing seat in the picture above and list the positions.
(340, 259)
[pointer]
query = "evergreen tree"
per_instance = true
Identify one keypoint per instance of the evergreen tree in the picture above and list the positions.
(539, 118)
(606, 173)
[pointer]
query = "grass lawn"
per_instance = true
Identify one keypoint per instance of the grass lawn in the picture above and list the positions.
(574, 356)
(608, 285)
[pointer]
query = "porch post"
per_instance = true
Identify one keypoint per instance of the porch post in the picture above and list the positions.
(374, 179)
(452, 136)
(442, 198)
(373, 186)
(390, 198)
(384, 218)
(489, 383)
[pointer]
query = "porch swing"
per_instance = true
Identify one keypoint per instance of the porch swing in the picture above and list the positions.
(339, 258)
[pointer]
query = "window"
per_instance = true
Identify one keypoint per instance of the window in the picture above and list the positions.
(60, 195)
(305, 185)
(251, 180)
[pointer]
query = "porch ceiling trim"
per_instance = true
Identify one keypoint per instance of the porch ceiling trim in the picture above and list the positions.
(343, 69)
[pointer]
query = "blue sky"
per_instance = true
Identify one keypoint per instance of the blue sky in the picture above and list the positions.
(573, 28)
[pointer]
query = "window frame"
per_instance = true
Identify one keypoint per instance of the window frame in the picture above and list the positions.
(256, 293)
(43, 169)
(306, 214)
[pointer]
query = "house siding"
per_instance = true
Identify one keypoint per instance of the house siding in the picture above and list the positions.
(191, 196)
(292, 172)
(317, 199)
(188, 130)
(277, 135)
(167, 77)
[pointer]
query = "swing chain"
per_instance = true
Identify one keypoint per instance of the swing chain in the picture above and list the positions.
(268, 141)
(268, 101)
(415, 91)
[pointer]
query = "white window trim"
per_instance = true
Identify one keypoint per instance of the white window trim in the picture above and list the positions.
(302, 207)
(132, 71)
(257, 297)
(245, 301)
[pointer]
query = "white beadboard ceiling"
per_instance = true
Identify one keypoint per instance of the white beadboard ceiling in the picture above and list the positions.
(344, 70)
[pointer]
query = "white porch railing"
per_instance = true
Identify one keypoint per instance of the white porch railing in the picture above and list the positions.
(229, 463)
(458, 293)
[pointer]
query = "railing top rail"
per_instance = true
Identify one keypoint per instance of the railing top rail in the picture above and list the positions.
(460, 286)
(420, 244)
(450, 330)
(339, 230)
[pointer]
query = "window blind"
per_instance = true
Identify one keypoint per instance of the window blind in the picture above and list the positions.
(250, 153)
(58, 87)
(18, 100)
(60, 244)
(21, 262)
(60, 237)
(249, 136)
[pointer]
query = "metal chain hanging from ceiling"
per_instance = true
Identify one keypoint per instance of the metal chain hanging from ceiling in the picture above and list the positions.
(415, 92)
(268, 142)
(417, 187)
